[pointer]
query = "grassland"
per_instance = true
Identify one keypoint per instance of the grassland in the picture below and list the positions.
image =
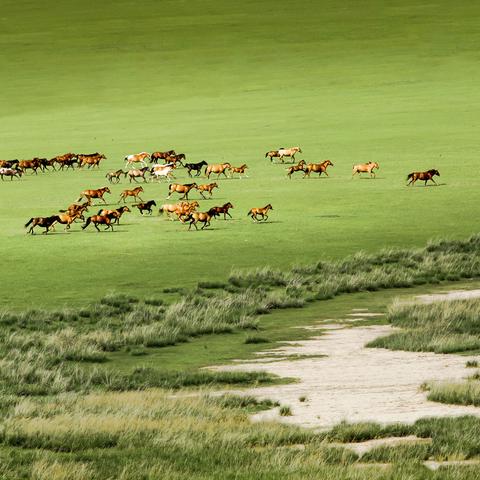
(393, 82)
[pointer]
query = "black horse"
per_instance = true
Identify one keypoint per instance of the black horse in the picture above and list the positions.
(147, 206)
(196, 167)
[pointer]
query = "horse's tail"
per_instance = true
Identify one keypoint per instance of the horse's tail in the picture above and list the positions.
(409, 176)
(62, 211)
(249, 212)
(29, 222)
(266, 155)
(100, 211)
(81, 196)
(87, 223)
(160, 210)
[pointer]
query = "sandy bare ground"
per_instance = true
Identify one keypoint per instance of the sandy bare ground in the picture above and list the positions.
(453, 295)
(355, 383)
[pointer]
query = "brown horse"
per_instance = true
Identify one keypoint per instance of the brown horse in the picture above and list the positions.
(207, 188)
(98, 193)
(365, 168)
(272, 154)
(240, 170)
(179, 188)
(224, 209)
(99, 220)
(33, 165)
(217, 168)
(145, 206)
(202, 217)
(155, 156)
(114, 177)
(181, 208)
(135, 193)
(426, 176)
(74, 208)
(299, 167)
(137, 173)
(92, 160)
(67, 219)
(317, 168)
(255, 212)
(45, 222)
(115, 214)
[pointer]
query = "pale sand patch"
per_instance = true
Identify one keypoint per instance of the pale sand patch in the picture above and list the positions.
(355, 383)
(361, 448)
(453, 295)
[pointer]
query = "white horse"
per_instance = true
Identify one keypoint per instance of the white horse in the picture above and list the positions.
(288, 152)
(163, 171)
(137, 158)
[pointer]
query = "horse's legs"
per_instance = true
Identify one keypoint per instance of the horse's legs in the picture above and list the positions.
(201, 193)
(96, 226)
(434, 181)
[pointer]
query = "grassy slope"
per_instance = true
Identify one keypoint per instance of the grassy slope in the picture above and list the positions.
(394, 83)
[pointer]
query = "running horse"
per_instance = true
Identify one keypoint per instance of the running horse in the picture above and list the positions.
(288, 152)
(317, 168)
(98, 193)
(224, 209)
(195, 167)
(114, 177)
(135, 193)
(10, 172)
(155, 156)
(299, 167)
(240, 170)
(45, 222)
(217, 168)
(180, 188)
(137, 173)
(207, 188)
(145, 206)
(365, 168)
(67, 219)
(272, 154)
(202, 217)
(425, 176)
(137, 158)
(255, 212)
(99, 220)
(181, 208)
(115, 214)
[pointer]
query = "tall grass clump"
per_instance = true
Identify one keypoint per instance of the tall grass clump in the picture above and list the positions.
(462, 393)
(440, 327)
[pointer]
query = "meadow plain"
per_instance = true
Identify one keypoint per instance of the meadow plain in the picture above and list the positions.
(391, 82)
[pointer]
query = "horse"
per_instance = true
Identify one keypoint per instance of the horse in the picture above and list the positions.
(115, 214)
(217, 168)
(29, 164)
(317, 168)
(240, 170)
(67, 219)
(202, 217)
(426, 176)
(91, 160)
(179, 188)
(176, 157)
(98, 220)
(365, 168)
(74, 208)
(137, 158)
(163, 171)
(8, 163)
(299, 167)
(45, 222)
(111, 176)
(145, 206)
(137, 173)
(10, 172)
(155, 156)
(44, 163)
(288, 152)
(207, 188)
(255, 212)
(135, 193)
(195, 167)
(181, 208)
(272, 154)
(98, 193)
(224, 209)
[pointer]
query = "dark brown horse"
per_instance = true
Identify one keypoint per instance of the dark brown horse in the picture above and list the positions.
(425, 176)
(33, 165)
(179, 188)
(155, 156)
(224, 209)
(145, 206)
(317, 168)
(263, 212)
(115, 214)
(45, 222)
(99, 220)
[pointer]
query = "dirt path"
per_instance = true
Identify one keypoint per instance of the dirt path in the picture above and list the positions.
(355, 383)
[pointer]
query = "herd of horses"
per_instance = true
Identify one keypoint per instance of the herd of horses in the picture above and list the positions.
(184, 210)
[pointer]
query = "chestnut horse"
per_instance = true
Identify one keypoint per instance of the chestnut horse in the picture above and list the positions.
(217, 168)
(299, 167)
(179, 188)
(426, 176)
(74, 208)
(99, 220)
(240, 170)
(317, 168)
(181, 208)
(207, 188)
(202, 217)
(114, 215)
(67, 219)
(135, 193)
(255, 212)
(224, 209)
(272, 154)
(98, 193)
(155, 156)
(365, 168)
(45, 222)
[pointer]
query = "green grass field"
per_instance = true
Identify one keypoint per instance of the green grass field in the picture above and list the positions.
(395, 82)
